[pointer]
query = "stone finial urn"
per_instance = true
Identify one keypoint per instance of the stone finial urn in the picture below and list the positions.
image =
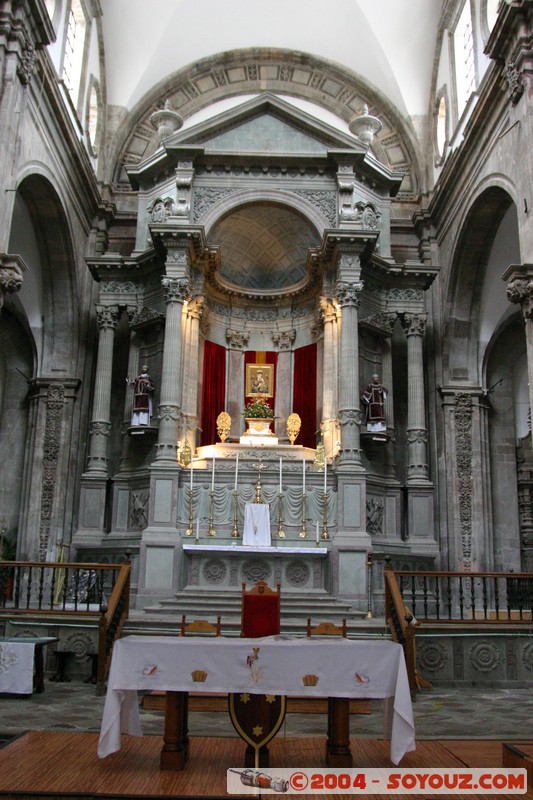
(166, 121)
(365, 127)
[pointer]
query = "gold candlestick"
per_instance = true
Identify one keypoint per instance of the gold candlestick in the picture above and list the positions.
(325, 535)
(303, 532)
(281, 533)
(189, 531)
(235, 531)
(211, 530)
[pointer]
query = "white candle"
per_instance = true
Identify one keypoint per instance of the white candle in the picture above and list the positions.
(280, 474)
(236, 470)
(317, 531)
(303, 477)
(191, 473)
(197, 527)
(213, 476)
(325, 476)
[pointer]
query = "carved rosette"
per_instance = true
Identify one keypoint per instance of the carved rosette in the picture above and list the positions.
(176, 290)
(107, 317)
(463, 457)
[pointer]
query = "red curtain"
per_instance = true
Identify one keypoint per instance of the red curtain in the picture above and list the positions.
(304, 393)
(213, 391)
(268, 357)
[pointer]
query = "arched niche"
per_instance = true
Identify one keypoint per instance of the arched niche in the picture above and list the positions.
(40, 234)
(476, 299)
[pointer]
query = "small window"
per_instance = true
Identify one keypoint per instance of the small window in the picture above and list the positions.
(93, 118)
(464, 58)
(74, 49)
(491, 13)
(441, 128)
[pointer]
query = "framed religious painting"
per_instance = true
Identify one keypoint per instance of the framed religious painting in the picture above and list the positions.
(259, 379)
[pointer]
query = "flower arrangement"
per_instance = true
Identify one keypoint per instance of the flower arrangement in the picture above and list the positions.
(257, 409)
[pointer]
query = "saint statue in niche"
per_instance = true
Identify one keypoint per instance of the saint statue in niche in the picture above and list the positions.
(143, 389)
(373, 399)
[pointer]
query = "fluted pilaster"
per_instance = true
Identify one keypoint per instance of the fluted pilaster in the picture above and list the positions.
(177, 291)
(520, 291)
(348, 296)
(100, 426)
(329, 422)
(189, 402)
(414, 326)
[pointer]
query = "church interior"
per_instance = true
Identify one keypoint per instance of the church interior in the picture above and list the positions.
(266, 294)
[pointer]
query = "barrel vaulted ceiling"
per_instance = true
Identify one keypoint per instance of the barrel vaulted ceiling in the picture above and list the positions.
(335, 58)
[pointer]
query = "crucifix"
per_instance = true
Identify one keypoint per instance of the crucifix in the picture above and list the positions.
(259, 467)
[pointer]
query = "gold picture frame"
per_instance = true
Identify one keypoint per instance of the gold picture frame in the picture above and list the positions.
(257, 376)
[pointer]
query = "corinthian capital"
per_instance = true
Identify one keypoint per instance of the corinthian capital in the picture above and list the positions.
(177, 290)
(414, 324)
(348, 293)
(106, 316)
(327, 310)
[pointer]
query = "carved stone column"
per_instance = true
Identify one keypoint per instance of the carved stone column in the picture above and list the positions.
(519, 279)
(189, 395)
(414, 326)
(283, 342)
(100, 427)
(176, 291)
(329, 424)
(133, 370)
(387, 378)
(237, 342)
(348, 295)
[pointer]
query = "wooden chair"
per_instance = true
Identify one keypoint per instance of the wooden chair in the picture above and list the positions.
(260, 610)
(326, 629)
(200, 626)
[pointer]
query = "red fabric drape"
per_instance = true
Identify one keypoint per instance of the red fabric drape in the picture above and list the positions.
(270, 357)
(304, 393)
(213, 390)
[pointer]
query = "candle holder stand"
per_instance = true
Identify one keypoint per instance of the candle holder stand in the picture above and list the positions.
(303, 532)
(235, 529)
(281, 533)
(189, 531)
(211, 530)
(325, 535)
(369, 614)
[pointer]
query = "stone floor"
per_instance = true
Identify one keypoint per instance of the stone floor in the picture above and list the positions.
(443, 713)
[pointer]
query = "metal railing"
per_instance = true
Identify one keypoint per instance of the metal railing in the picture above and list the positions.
(481, 597)
(96, 592)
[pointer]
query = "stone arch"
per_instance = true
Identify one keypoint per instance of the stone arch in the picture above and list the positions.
(237, 199)
(41, 235)
(466, 283)
(284, 72)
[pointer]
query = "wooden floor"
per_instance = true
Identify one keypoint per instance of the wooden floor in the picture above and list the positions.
(65, 765)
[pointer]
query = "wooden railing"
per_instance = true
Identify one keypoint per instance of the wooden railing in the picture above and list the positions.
(414, 598)
(400, 623)
(481, 597)
(94, 591)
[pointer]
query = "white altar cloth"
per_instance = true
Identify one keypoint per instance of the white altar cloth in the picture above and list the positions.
(256, 525)
(16, 667)
(300, 667)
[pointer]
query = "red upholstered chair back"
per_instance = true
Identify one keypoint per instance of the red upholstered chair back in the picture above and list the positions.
(260, 610)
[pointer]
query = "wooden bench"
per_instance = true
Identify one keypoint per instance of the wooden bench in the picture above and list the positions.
(519, 754)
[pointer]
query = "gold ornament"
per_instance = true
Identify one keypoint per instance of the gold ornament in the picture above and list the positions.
(184, 453)
(223, 425)
(310, 680)
(320, 457)
(294, 423)
(199, 675)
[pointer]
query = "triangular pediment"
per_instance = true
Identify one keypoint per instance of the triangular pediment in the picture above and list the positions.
(264, 125)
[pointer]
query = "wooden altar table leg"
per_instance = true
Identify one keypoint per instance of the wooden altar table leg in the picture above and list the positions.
(338, 752)
(174, 752)
(39, 668)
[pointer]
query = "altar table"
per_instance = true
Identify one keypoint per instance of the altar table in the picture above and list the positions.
(275, 665)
